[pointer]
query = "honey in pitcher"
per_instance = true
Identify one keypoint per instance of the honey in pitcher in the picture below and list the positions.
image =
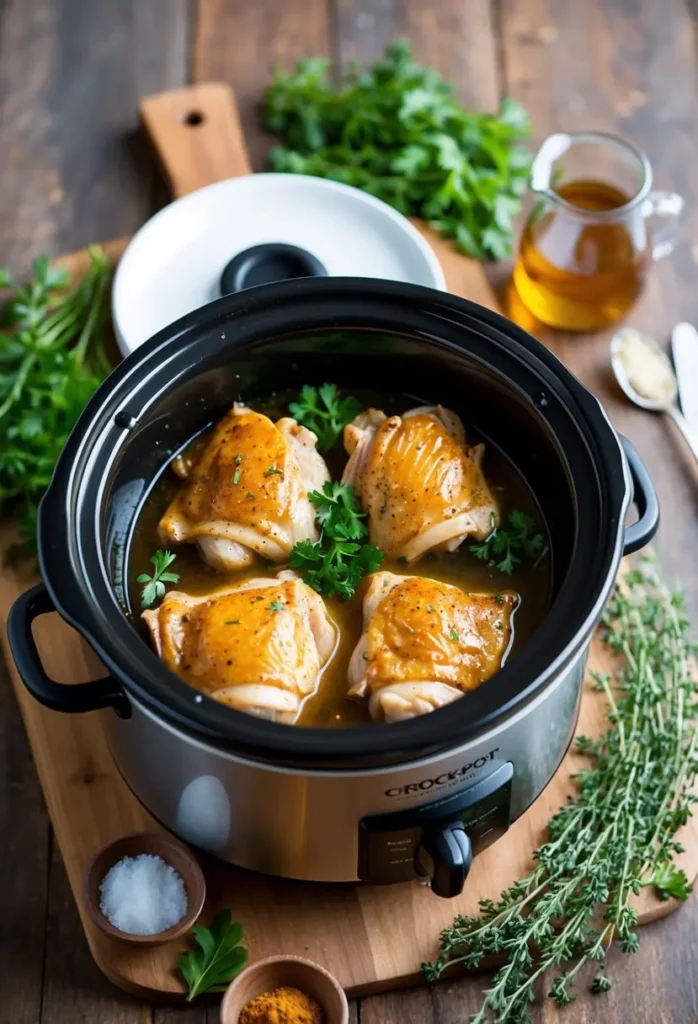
(580, 267)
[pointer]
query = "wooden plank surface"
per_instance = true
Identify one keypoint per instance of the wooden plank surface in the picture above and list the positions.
(75, 170)
(629, 65)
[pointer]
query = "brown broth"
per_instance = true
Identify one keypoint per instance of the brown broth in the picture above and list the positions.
(329, 706)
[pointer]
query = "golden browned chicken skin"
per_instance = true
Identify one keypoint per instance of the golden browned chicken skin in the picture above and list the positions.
(419, 481)
(248, 491)
(258, 647)
(426, 643)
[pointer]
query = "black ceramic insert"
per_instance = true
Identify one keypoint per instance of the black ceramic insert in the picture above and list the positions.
(399, 337)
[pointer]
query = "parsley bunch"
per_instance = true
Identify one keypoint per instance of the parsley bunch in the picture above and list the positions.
(397, 132)
(616, 835)
(52, 359)
(324, 412)
(337, 562)
(507, 544)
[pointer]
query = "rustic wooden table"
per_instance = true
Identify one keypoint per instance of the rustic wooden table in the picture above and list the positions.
(75, 170)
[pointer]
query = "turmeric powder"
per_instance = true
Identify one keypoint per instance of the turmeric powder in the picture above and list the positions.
(282, 1006)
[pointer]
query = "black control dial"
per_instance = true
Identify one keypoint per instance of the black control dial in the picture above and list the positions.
(437, 840)
(444, 855)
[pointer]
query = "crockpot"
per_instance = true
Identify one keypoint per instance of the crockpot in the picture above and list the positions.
(380, 803)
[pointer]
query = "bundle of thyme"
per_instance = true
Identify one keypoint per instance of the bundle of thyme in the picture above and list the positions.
(616, 835)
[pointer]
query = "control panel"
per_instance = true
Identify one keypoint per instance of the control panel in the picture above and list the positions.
(437, 840)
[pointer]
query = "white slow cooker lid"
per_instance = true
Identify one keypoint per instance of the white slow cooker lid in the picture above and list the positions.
(173, 265)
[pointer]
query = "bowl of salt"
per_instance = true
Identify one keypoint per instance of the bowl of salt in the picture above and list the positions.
(145, 888)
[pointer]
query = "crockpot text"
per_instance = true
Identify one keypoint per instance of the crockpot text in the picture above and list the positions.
(443, 779)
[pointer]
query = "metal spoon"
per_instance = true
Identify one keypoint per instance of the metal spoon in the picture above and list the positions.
(669, 405)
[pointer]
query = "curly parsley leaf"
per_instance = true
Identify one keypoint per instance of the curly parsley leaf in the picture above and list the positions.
(670, 882)
(324, 412)
(507, 544)
(52, 360)
(397, 132)
(219, 959)
(336, 563)
(154, 589)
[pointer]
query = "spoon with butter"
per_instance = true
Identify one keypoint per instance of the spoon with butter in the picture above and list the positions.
(645, 374)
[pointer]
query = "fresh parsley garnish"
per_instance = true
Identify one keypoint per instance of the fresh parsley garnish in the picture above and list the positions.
(324, 412)
(397, 131)
(337, 562)
(219, 959)
(275, 606)
(273, 471)
(52, 360)
(238, 459)
(454, 635)
(236, 477)
(508, 544)
(154, 588)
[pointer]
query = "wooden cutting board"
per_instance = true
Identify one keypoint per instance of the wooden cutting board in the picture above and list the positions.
(372, 938)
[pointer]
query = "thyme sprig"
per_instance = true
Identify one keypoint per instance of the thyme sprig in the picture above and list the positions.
(616, 835)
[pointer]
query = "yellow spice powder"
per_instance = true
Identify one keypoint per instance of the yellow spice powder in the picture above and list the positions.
(285, 1005)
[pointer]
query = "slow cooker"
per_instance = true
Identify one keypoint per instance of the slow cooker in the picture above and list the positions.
(380, 803)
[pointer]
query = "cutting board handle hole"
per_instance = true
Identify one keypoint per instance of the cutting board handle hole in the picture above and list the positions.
(194, 118)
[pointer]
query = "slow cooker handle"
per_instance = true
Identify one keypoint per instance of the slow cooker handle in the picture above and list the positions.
(102, 693)
(643, 530)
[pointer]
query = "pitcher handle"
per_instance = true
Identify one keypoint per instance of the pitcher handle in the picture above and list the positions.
(664, 207)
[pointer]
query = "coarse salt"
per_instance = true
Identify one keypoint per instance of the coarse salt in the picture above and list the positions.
(143, 895)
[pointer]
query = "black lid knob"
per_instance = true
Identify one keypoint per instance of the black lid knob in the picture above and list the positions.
(264, 264)
(445, 856)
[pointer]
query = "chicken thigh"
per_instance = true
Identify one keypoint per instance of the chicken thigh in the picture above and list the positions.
(425, 644)
(258, 647)
(248, 492)
(419, 481)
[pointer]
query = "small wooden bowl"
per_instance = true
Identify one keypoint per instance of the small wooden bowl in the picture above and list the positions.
(282, 971)
(173, 853)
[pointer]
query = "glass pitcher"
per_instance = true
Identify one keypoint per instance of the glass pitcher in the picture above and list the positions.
(594, 231)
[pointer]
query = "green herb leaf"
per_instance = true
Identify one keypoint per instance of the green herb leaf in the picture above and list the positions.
(273, 471)
(336, 564)
(397, 132)
(275, 606)
(52, 360)
(670, 882)
(219, 959)
(324, 412)
(507, 544)
(154, 589)
(236, 477)
(454, 635)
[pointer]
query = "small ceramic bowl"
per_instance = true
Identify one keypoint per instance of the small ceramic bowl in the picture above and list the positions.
(173, 853)
(280, 972)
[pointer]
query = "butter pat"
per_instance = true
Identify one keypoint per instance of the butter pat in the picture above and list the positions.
(646, 366)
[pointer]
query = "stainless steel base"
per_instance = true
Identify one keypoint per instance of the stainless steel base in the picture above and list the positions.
(303, 824)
